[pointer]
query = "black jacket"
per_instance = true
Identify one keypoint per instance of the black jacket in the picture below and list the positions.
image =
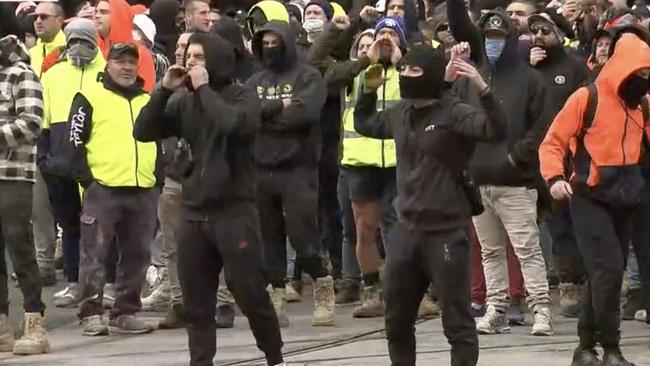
(219, 124)
(522, 93)
(288, 136)
(563, 73)
(431, 195)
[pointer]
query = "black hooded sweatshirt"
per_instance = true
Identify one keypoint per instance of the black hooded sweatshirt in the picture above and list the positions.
(289, 137)
(228, 28)
(219, 122)
(519, 89)
(434, 145)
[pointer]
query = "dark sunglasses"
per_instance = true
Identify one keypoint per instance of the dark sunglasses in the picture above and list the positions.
(544, 29)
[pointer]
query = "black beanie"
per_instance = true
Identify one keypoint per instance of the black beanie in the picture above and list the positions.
(323, 4)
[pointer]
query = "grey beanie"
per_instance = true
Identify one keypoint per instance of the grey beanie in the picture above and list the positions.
(81, 29)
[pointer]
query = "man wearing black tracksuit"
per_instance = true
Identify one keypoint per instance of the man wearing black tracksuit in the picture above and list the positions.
(219, 120)
(563, 73)
(435, 134)
(287, 152)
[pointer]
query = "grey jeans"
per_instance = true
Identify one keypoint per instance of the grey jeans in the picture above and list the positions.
(43, 226)
(170, 207)
(511, 212)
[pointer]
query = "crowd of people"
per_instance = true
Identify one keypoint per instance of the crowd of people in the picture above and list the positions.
(419, 158)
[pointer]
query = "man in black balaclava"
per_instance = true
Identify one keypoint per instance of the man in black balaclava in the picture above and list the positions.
(163, 13)
(564, 74)
(287, 151)
(228, 28)
(219, 120)
(435, 134)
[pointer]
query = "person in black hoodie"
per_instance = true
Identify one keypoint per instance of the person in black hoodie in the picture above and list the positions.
(163, 13)
(507, 171)
(435, 134)
(564, 73)
(218, 119)
(287, 152)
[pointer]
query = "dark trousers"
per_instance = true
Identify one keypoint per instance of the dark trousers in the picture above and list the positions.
(330, 214)
(641, 244)
(66, 204)
(228, 240)
(568, 263)
(125, 216)
(287, 200)
(414, 260)
(603, 235)
(16, 237)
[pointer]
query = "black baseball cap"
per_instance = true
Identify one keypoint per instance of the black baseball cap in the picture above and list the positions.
(120, 49)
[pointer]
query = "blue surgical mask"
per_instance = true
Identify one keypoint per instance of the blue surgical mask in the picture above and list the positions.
(494, 48)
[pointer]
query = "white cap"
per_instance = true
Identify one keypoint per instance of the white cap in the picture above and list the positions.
(146, 25)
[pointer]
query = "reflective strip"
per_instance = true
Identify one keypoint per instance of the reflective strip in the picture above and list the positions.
(352, 135)
(380, 104)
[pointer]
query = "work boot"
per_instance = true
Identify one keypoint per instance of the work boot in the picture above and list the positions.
(569, 299)
(175, 318)
(543, 321)
(514, 314)
(292, 294)
(323, 302)
(633, 303)
(108, 301)
(493, 322)
(279, 299)
(159, 298)
(348, 293)
(34, 341)
(641, 315)
(613, 357)
(68, 297)
(585, 357)
(372, 305)
(6, 334)
(225, 316)
(128, 324)
(93, 326)
(428, 309)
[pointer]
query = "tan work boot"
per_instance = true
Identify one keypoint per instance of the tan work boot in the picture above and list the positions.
(279, 299)
(373, 304)
(34, 341)
(6, 334)
(292, 294)
(428, 309)
(569, 300)
(323, 302)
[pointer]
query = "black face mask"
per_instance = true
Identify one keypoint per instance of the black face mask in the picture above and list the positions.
(431, 83)
(273, 56)
(632, 90)
(418, 87)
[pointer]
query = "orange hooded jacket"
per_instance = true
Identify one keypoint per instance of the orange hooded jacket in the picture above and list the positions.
(121, 27)
(614, 138)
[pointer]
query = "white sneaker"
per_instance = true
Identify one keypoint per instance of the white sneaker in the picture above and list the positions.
(158, 300)
(62, 293)
(70, 298)
(493, 322)
(641, 315)
(543, 322)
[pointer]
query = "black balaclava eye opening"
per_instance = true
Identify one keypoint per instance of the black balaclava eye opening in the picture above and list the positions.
(431, 83)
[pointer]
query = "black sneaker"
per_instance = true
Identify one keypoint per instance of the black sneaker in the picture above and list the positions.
(225, 316)
(128, 324)
(175, 318)
(633, 303)
(613, 357)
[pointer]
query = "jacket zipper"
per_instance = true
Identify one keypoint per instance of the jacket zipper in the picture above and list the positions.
(383, 108)
(81, 81)
(135, 144)
(624, 135)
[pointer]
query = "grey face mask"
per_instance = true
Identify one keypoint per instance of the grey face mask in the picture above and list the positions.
(80, 55)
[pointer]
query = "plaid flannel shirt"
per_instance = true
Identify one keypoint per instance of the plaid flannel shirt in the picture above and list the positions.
(21, 112)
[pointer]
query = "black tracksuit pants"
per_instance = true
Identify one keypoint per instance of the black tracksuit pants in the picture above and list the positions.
(565, 247)
(413, 260)
(604, 235)
(228, 239)
(641, 244)
(288, 203)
